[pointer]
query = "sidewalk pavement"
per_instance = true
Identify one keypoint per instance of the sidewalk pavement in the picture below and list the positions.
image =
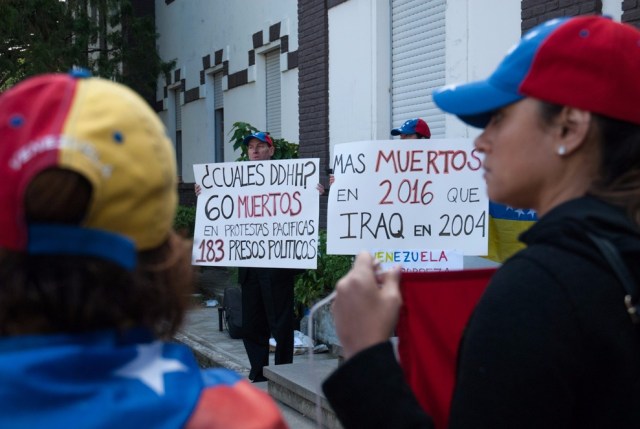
(214, 348)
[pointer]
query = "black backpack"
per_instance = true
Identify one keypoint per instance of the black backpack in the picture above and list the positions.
(232, 305)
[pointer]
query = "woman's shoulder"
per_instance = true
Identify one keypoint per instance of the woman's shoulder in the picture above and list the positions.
(550, 281)
(547, 269)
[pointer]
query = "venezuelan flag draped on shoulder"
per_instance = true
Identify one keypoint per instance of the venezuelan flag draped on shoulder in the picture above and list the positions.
(505, 226)
(110, 380)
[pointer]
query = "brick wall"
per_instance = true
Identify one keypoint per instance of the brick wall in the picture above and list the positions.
(144, 8)
(535, 12)
(313, 87)
(186, 194)
(631, 12)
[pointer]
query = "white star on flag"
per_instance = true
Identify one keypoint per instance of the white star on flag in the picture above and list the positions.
(150, 367)
(520, 212)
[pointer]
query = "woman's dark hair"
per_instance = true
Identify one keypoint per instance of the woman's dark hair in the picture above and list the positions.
(618, 181)
(73, 294)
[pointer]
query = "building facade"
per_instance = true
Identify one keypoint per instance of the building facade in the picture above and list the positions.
(323, 72)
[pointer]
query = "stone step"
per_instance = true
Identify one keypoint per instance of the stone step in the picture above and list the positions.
(298, 386)
(294, 418)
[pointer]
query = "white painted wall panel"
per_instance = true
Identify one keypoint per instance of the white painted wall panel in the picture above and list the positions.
(359, 71)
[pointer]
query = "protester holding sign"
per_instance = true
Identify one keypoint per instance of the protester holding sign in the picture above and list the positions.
(267, 294)
(413, 129)
(505, 224)
(93, 281)
(553, 342)
(260, 215)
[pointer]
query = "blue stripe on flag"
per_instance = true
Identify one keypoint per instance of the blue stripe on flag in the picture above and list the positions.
(500, 211)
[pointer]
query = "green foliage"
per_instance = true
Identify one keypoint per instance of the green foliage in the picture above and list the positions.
(34, 38)
(284, 149)
(313, 285)
(103, 36)
(185, 220)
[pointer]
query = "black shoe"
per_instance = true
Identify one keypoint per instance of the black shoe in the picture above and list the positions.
(259, 379)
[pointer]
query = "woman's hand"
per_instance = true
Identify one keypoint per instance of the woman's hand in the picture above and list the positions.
(366, 306)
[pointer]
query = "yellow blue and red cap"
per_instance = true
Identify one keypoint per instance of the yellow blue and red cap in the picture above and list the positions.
(413, 126)
(106, 133)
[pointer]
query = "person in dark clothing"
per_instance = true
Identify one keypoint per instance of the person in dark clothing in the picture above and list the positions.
(551, 343)
(267, 294)
(267, 310)
(411, 129)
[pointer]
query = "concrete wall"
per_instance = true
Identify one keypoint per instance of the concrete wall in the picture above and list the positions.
(359, 71)
(205, 36)
(478, 34)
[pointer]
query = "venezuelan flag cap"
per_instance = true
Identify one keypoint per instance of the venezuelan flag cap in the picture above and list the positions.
(260, 135)
(588, 62)
(413, 126)
(106, 133)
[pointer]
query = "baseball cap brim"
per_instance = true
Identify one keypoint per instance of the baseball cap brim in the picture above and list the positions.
(396, 132)
(474, 102)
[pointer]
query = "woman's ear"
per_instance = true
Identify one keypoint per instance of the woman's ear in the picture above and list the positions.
(574, 128)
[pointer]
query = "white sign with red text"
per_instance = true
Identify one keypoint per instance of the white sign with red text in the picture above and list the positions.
(257, 214)
(407, 194)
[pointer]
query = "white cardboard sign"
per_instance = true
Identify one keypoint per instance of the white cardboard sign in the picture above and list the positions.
(407, 194)
(257, 214)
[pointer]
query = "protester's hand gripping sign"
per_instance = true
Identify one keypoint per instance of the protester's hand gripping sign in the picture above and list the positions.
(257, 214)
(402, 194)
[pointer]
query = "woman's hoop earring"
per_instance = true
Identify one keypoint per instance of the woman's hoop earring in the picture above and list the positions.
(562, 150)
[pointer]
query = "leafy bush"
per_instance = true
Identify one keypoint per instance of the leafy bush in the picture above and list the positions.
(284, 149)
(185, 220)
(313, 285)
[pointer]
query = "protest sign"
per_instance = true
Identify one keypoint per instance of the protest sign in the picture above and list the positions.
(402, 194)
(257, 214)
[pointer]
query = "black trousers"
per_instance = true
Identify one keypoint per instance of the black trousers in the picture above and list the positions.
(267, 309)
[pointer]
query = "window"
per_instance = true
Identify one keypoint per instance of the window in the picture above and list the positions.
(273, 107)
